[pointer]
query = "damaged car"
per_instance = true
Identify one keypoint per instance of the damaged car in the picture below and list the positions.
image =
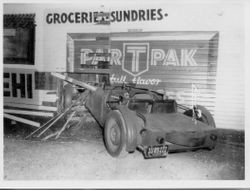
(140, 119)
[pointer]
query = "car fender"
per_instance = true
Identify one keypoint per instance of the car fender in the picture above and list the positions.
(132, 122)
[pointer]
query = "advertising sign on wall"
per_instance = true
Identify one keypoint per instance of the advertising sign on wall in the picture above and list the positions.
(157, 60)
(27, 88)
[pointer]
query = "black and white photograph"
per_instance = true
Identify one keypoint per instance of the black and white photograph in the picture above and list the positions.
(126, 91)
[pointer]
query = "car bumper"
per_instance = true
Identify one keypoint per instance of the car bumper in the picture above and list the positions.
(176, 139)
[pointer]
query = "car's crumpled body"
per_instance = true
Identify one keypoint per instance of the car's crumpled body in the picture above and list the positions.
(146, 118)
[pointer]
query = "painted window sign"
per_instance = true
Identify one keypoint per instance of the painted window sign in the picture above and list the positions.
(142, 58)
(29, 87)
(134, 54)
(18, 85)
(168, 62)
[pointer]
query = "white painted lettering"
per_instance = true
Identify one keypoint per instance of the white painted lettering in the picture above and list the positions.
(171, 58)
(135, 56)
(115, 57)
(96, 58)
(118, 80)
(187, 57)
(157, 55)
(142, 81)
(84, 58)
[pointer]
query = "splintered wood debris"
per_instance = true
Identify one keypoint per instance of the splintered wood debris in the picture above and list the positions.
(75, 113)
(71, 117)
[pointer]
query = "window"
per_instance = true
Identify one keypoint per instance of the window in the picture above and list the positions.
(19, 39)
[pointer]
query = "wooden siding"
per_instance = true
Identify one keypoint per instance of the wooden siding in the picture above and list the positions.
(230, 97)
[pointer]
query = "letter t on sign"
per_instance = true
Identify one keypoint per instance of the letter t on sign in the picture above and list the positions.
(135, 56)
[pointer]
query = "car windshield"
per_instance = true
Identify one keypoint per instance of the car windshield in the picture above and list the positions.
(141, 103)
(142, 97)
(145, 103)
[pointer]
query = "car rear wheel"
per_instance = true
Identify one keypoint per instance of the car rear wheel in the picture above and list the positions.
(115, 134)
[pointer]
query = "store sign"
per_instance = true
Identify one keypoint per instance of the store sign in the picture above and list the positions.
(154, 62)
(135, 58)
(137, 55)
(80, 17)
(121, 79)
(18, 85)
(28, 88)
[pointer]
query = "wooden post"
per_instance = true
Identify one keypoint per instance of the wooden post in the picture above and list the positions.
(74, 81)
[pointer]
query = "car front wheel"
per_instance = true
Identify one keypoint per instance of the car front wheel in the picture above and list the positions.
(115, 134)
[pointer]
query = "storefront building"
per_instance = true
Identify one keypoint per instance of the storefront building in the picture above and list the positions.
(172, 48)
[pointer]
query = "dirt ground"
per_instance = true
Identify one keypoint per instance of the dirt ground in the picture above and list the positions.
(80, 154)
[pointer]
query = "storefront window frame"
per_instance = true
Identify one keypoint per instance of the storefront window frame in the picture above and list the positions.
(17, 22)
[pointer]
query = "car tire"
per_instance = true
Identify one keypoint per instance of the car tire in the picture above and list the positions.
(115, 134)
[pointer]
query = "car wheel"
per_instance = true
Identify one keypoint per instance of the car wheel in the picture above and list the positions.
(115, 134)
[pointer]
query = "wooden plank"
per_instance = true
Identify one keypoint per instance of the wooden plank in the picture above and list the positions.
(65, 125)
(51, 124)
(23, 112)
(41, 127)
(60, 116)
(30, 106)
(19, 119)
(74, 81)
(49, 136)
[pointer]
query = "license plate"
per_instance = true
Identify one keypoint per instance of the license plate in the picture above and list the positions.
(158, 151)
